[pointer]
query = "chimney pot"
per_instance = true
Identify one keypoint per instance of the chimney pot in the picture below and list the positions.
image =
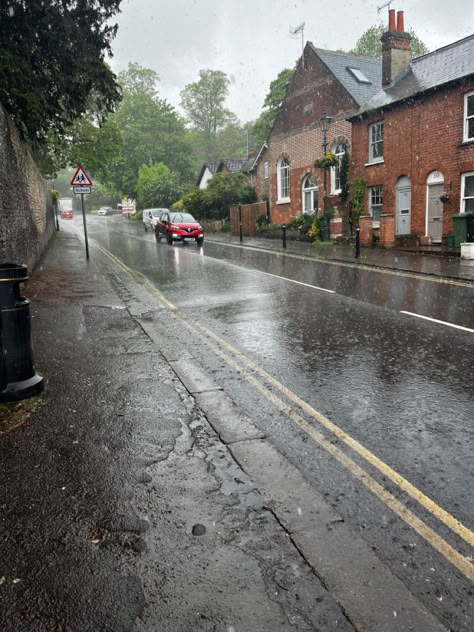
(400, 22)
(391, 20)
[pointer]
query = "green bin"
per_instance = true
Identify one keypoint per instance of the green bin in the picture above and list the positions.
(460, 229)
(451, 241)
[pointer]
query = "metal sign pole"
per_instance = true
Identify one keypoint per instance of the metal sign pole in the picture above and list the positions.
(85, 225)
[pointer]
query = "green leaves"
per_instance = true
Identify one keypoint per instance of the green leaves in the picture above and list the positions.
(157, 186)
(370, 45)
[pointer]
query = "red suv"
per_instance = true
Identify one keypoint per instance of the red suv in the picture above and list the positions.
(178, 227)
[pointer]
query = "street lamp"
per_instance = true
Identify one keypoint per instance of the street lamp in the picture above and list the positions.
(325, 122)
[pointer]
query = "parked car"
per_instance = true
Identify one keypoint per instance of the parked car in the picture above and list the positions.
(178, 227)
(105, 210)
(66, 214)
(151, 216)
(65, 208)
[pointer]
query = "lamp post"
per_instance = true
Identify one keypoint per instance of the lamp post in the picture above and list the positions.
(325, 122)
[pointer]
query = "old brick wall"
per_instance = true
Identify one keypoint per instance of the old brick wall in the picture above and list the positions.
(421, 136)
(26, 212)
(297, 134)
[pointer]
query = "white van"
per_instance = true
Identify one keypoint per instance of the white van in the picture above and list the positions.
(150, 215)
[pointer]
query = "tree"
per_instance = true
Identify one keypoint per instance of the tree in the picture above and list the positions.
(204, 104)
(151, 129)
(226, 189)
(158, 186)
(52, 60)
(271, 106)
(369, 43)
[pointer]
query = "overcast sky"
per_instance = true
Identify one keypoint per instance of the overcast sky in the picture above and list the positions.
(250, 41)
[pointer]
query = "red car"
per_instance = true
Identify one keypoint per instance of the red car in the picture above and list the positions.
(178, 227)
(66, 214)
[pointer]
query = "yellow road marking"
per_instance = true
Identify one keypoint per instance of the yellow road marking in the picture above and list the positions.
(438, 543)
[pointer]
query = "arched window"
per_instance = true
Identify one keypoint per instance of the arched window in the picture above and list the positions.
(309, 195)
(338, 150)
(283, 180)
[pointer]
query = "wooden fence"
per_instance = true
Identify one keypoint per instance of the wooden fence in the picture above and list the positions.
(249, 214)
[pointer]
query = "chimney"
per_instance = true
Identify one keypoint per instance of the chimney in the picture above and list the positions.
(396, 50)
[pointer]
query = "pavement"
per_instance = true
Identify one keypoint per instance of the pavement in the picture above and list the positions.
(427, 262)
(137, 496)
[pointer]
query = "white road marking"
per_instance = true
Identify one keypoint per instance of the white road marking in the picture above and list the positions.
(440, 322)
(314, 287)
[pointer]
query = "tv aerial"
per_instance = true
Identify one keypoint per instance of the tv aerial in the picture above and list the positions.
(295, 32)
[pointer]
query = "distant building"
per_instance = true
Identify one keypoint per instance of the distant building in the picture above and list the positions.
(230, 165)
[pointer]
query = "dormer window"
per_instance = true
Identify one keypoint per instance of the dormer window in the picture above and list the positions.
(469, 116)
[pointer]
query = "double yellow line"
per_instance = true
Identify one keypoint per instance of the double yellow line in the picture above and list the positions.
(227, 353)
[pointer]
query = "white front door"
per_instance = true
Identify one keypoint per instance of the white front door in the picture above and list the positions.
(434, 213)
(403, 215)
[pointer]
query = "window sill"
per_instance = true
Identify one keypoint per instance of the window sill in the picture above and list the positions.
(467, 142)
(337, 192)
(374, 162)
(283, 201)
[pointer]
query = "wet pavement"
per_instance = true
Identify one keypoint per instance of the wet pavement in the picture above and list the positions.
(180, 471)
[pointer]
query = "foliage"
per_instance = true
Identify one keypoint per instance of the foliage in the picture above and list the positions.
(358, 196)
(52, 61)
(263, 229)
(271, 106)
(204, 104)
(227, 189)
(326, 162)
(344, 176)
(55, 195)
(369, 43)
(157, 185)
(307, 224)
(137, 216)
(196, 202)
(262, 219)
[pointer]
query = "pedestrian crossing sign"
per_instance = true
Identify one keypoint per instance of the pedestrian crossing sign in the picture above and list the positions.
(80, 178)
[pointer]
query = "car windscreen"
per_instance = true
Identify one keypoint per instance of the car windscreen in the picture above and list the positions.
(156, 214)
(182, 218)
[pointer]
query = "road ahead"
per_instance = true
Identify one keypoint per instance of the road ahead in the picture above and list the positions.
(373, 406)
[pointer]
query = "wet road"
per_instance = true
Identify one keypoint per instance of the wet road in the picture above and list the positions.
(393, 392)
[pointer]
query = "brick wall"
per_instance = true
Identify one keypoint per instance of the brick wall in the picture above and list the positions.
(420, 137)
(26, 212)
(297, 134)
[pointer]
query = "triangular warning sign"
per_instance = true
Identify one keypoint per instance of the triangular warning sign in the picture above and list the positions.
(80, 178)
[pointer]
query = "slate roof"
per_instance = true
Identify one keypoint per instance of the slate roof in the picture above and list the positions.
(234, 165)
(339, 64)
(432, 70)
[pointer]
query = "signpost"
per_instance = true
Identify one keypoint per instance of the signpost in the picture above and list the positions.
(81, 184)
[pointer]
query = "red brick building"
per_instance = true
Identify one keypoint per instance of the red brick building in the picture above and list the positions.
(324, 82)
(413, 142)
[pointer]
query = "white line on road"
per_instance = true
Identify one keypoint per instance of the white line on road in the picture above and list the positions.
(440, 322)
(315, 287)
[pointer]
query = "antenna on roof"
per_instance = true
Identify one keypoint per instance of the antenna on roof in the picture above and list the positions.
(387, 4)
(295, 31)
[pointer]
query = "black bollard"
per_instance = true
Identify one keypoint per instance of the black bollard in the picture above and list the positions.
(284, 235)
(16, 355)
(357, 250)
(241, 235)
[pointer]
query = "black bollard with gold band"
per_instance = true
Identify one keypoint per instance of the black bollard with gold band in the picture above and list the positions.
(19, 378)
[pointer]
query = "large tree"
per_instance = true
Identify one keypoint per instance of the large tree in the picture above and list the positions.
(273, 100)
(157, 186)
(369, 43)
(52, 60)
(151, 129)
(204, 104)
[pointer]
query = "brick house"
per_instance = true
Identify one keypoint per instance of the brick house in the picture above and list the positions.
(324, 81)
(413, 142)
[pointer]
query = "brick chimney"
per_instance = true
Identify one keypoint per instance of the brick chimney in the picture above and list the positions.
(396, 49)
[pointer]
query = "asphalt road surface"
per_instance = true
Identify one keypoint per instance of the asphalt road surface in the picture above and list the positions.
(371, 404)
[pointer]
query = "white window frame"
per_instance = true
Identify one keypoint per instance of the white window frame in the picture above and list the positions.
(283, 181)
(378, 130)
(266, 170)
(375, 191)
(308, 189)
(336, 171)
(466, 137)
(468, 174)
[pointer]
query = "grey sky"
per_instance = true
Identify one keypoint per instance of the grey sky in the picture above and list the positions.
(250, 41)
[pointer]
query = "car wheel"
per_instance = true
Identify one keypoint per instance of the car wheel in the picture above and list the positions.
(199, 241)
(169, 239)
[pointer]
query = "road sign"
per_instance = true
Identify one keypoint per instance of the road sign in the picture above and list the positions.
(81, 178)
(82, 190)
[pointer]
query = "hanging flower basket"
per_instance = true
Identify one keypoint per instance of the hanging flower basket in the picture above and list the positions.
(444, 197)
(326, 162)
